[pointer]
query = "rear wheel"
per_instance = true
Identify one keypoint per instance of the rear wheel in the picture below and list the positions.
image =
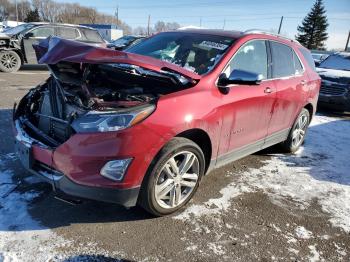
(9, 61)
(173, 177)
(297, 134)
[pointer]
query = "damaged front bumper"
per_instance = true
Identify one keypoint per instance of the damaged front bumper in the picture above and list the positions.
(37, 159)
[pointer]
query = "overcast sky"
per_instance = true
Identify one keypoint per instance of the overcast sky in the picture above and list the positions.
(230, 14)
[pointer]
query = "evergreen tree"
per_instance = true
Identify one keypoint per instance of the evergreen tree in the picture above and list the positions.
(313, 32)
(32, 16)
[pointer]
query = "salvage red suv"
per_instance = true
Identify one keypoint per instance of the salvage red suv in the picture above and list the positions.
(144, 125)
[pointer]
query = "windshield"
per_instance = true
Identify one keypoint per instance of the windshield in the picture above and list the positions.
(337, 61)
(197, 53)
(18, 29)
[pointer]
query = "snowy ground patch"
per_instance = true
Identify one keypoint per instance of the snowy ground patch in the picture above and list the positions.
(319, 171)
(24, 239)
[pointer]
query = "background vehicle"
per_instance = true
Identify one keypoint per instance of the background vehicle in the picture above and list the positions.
(142, 129)
(125, 42)
(16, 44)
(318, 58)
(335, 87)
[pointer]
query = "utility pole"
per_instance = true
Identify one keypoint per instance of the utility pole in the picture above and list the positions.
(347, 43)
(200, 22)
(117, 13)
(149, 24)
(280, 27)
(223, 28)
(16, 11)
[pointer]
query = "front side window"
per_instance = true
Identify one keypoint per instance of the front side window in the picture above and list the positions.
(198, 53)
(251, 57)
(282, 60)
(42, 32)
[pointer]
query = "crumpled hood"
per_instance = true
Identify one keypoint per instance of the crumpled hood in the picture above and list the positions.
(54, 49)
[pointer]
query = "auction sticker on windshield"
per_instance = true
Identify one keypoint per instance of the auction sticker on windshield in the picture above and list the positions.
(209, 44)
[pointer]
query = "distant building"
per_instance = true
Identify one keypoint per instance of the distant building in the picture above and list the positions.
(108, 31)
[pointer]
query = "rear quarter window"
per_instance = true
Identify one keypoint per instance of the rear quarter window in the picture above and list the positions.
(68, 32)
(92, 36)
(308, 57)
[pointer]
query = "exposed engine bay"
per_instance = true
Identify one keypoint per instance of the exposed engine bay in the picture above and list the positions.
(74, 90)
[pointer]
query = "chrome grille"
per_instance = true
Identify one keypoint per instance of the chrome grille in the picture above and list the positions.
(333, 90)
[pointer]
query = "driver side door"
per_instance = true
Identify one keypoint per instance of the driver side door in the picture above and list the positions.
(32, 37)
(246, 109)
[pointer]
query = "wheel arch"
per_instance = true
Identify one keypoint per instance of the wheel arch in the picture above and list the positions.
(202, 139)
(310, 108)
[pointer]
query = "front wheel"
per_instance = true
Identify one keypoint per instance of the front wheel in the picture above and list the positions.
(173, 177)
(297, 134)
(9, 61)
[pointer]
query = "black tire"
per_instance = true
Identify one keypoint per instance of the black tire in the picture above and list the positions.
(147, 198)
(289, 146)
(9, 61)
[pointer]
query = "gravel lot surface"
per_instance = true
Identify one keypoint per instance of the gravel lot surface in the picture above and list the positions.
(265, 207)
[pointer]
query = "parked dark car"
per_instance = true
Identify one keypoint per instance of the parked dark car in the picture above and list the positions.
(318, 57)
(135, 127)
(16, 44)
(335, 86)
(125, 42)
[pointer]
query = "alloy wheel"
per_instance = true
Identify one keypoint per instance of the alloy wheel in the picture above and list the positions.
(299, 130)
(8, 60)
(177, 180)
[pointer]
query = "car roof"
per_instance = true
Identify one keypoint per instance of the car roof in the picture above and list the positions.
(60, 24)
(218, 32)
(238, 34)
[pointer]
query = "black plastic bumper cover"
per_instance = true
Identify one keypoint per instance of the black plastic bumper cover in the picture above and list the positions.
(125, 197)
(61, 183)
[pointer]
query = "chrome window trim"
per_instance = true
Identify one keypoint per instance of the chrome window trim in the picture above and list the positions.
(267, 79)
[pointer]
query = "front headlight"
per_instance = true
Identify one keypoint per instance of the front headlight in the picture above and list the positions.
(95, 121)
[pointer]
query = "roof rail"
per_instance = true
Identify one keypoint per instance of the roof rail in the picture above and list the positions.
(259, 31)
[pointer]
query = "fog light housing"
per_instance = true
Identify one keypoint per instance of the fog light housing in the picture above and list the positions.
(115, 169)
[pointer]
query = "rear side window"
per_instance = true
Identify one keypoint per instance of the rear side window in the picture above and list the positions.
(251, 57)
(67, 32)
(282, 60)
(92, 36)
(308, 57)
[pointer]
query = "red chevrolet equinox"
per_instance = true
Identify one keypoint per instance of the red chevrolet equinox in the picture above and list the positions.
(144, 125)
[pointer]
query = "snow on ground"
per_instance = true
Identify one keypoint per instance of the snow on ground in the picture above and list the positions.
(319, 171)
(21, 237)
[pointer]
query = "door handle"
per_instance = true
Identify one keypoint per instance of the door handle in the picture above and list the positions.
(303, 82)
(268, 90)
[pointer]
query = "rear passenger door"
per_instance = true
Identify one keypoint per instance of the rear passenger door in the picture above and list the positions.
(290, 80)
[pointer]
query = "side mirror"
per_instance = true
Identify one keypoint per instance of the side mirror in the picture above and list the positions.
(28, 35)
(317, 63)
(240, 77)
